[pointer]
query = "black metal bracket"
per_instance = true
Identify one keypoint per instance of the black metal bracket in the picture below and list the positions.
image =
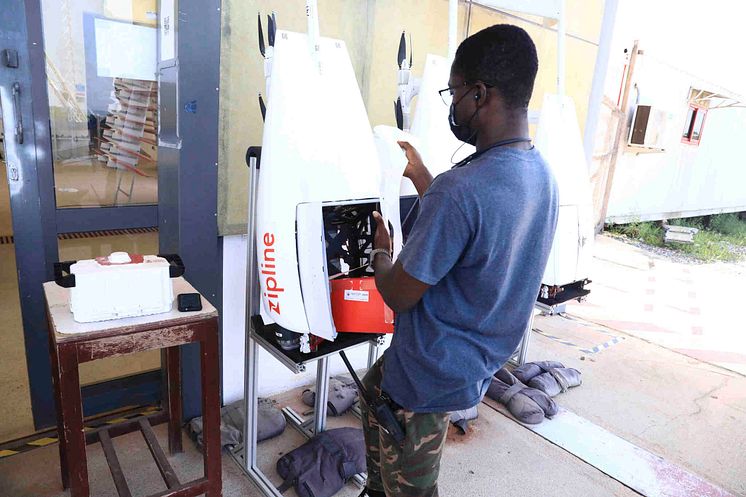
(255, 152)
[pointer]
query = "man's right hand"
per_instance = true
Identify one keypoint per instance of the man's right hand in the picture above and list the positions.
(416, 170)
(414, 160)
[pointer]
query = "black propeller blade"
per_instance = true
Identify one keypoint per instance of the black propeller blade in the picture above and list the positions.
(271, 29)
(402, 56)
(262, 107)
(261, 35)
(399, 114)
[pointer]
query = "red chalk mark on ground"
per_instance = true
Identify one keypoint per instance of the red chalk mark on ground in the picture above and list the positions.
(695, 310)
(651, 279)
(649, 307)
(674, 481)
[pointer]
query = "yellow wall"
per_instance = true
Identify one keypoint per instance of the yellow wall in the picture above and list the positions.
(371, 30)
(242, 79)
(584, 21)
(427, 23)
(139, 11)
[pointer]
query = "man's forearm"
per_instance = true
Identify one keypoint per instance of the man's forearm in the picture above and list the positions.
(422, 180)
(384, 283)
(383, 266)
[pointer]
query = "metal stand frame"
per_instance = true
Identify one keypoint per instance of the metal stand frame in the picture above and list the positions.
(245, 454)
(519, 357)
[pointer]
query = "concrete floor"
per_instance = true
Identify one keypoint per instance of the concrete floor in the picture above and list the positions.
(500, 457)
(689, 308)
(690, 413)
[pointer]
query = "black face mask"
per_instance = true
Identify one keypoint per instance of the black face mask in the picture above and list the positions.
(462, 132)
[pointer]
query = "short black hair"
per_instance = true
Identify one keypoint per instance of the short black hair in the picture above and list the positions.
(503, 56)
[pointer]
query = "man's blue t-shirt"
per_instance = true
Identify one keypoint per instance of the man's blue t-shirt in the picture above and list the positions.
(481, 240)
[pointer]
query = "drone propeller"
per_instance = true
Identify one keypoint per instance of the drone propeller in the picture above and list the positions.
(271, 29)
(261, 35)
(262, 107)
(402, 55)
(399, 114)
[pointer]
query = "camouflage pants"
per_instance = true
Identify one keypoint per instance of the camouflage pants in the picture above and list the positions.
(409, 470)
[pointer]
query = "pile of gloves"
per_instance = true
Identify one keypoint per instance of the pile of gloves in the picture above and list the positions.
(270, 423)
(527, 392)
(342, 395)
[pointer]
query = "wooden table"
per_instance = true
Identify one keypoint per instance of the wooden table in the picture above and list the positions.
(72, 343)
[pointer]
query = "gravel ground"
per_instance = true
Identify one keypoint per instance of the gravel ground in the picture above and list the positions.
(738, 249)
(671, 254)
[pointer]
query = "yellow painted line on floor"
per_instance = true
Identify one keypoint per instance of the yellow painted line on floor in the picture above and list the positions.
(117, 421)
(43, 442)
(6, 453)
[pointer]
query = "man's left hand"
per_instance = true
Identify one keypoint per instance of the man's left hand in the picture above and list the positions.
(382, 239)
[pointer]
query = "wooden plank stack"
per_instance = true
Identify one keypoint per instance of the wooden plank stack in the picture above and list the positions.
(129, 136)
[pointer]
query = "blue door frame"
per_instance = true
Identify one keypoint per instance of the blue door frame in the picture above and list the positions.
(187, 193)
(189, 88)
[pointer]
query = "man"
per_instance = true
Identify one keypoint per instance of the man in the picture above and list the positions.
(465, 283)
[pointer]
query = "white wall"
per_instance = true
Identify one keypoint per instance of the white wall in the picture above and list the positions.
(685, 180)
(697, 36)
(274, 377)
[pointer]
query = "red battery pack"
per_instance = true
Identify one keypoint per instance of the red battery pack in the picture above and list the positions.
(357, 307)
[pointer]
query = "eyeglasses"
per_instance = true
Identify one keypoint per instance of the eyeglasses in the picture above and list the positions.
(446, 94)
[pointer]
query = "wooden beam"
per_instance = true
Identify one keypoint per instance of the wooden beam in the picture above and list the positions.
(168, 473)
(192, 489)
(630, 73)
(622, 130)
(116, 469)
(126, 427)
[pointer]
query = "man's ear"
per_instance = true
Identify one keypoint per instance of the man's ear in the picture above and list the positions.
(480, 95)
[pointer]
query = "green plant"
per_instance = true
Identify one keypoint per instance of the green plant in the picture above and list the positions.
(729, 224)
(714, 242)
(709, 246)
(698, 222)
(646, 232)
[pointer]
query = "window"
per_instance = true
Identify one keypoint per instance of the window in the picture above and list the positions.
(695, 122)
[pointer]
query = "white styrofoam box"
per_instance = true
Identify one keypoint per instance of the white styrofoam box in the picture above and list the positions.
(120, 286)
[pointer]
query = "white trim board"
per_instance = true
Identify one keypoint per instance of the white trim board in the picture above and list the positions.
(550, 9)
(632, 466)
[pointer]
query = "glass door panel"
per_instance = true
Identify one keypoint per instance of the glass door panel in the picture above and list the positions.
(101, 79)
